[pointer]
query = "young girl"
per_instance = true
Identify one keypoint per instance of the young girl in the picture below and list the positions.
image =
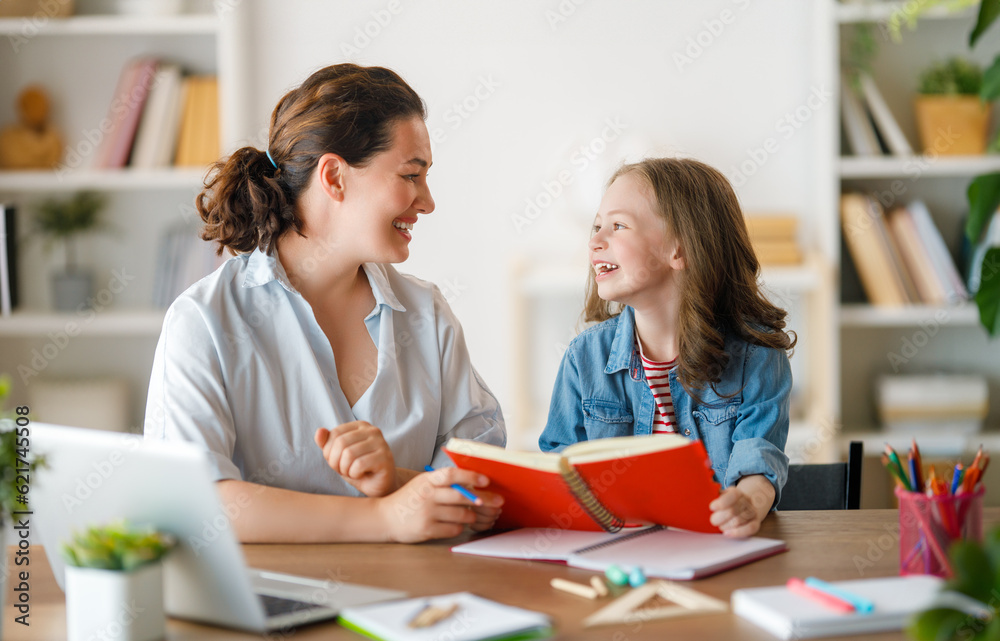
(686, 343)
(319, 380)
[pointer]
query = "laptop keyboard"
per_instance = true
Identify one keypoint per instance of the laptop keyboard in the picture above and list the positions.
(276, 605)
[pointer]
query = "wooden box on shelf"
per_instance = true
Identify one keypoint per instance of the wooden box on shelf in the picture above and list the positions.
(36, 8)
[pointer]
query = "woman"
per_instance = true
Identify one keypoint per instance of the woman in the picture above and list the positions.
(309, 328)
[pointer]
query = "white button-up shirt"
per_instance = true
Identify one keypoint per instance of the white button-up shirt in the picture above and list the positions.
(243, 369)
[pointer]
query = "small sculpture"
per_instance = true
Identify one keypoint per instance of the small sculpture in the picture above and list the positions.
(33, 143)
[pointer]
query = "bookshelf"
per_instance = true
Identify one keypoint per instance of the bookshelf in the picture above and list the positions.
(928, 338)
(78, 60)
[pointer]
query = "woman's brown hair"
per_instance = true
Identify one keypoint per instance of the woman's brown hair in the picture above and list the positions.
(343, 109)
(719, 291)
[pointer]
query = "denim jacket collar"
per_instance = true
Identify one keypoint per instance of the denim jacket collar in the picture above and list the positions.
(623, 345)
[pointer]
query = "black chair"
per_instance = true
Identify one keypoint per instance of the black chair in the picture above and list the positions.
(825, 486)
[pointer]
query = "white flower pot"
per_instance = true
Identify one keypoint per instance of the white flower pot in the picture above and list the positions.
(108, 604)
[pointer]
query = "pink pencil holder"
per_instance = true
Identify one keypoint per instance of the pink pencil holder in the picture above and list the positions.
(928, 525)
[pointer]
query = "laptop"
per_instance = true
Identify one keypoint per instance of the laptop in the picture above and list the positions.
(95, 477)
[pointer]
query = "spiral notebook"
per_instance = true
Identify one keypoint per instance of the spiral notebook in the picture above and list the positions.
(660, 552)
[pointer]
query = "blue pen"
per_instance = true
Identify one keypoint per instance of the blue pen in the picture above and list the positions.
(861, 604)
(914, 476)
(956, 478)
(458, 488)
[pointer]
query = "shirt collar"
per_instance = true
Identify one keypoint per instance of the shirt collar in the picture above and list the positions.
(623, 345)
(263, 268)
(381, 289)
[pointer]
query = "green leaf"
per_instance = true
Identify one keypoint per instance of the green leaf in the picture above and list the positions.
(984, 198)
(939, 624)
(988, 296)
(991, 82)
(973, 574)
(989, 10)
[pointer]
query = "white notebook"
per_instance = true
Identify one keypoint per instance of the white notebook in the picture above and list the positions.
(660, 552)
(473, 619)
(788, 615)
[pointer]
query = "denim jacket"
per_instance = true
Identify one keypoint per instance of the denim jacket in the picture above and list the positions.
(601, 391)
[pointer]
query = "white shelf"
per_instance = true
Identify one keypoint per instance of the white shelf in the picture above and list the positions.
(105, 179)
(105, 323)
(919, 166)
(101, 25)
(794, 278)
(966, 315)
(884, 11)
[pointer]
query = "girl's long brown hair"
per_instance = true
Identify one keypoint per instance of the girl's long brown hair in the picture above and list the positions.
(719, 290)
(343, 109)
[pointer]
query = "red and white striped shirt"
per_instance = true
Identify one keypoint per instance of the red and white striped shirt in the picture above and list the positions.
(657, 375)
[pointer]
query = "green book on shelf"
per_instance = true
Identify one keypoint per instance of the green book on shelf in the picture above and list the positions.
(469, 618)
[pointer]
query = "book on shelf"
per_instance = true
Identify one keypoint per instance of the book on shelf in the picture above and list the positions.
(600, 484)
(134, 84)
(8, 259)
(939, 403)
(888, 127)
(661, 552)
(943, 263)
(183, 259)
(916, 257)
(858, 126)
(773, 237)
(198, 140)
(866, 235)
(156, 138)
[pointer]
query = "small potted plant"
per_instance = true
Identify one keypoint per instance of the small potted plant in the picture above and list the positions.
(951, 117)
(976, 579)
(114, 583)
(62, 221)
(17, 468)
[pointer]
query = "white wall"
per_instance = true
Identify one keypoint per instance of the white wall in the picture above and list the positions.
(558, 73)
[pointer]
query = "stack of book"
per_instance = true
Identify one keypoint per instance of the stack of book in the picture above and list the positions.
(182, 260)
(773, 239)
(158, 118)
(900, 255)
(869, 125)
(939, 403)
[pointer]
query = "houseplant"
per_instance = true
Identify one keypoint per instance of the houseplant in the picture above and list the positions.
(951, 117)
(977, 575)
(984, 192)
(114, 583)
(62, 221)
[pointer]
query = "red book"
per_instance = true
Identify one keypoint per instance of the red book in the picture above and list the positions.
(124, 113)
(664, 479)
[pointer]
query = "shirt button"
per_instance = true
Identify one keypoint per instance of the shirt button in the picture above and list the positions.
(687, 432)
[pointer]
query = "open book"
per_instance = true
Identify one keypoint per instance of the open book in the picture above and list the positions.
(660, 552)
(664, 479)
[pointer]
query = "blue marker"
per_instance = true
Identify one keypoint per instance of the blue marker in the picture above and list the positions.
(861, 604)
(458, 488)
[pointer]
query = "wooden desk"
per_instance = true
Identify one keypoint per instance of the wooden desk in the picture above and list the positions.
(833, 545)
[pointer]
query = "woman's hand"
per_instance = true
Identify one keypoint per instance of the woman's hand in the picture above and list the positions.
(427, 507)
(740, 509)
(358, 452)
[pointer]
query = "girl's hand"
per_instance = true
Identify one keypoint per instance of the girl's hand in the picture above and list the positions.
(428, 508)
(733, 513)
(358, 452)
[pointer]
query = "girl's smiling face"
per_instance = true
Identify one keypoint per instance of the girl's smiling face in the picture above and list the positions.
(634, 258)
